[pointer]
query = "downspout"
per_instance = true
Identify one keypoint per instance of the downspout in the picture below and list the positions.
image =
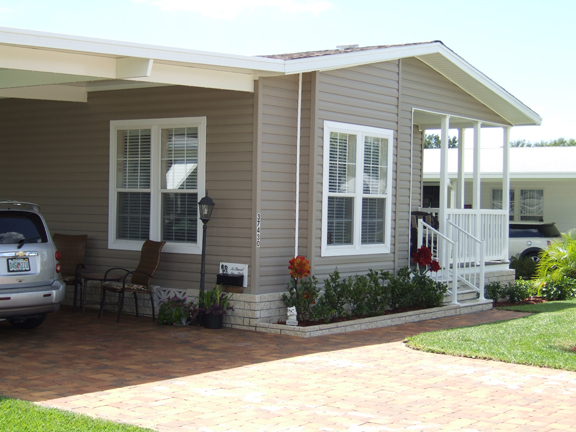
(298, 139)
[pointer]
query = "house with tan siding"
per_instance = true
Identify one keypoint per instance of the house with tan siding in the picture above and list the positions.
(316, 154)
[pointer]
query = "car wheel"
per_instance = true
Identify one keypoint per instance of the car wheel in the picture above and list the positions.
(534, 256)
(27, 323)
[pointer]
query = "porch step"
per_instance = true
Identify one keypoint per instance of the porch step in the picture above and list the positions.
(466, 295)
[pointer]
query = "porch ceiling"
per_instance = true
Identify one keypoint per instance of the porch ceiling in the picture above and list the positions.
(429, 120)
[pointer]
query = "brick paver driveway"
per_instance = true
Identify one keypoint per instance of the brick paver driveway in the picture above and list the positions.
(193, 379)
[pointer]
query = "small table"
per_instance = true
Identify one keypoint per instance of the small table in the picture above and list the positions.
(86, 277)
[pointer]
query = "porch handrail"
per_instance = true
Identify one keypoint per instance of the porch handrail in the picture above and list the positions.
(471, 259)
(442, 249)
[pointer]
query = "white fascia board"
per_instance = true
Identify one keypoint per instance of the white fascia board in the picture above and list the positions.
(475, 74)
(125, 49)
(48, 92)
(187, 76)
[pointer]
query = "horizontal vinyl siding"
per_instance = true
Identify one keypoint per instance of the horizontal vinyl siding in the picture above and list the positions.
(57, 154)
(363, 95)
(279, 105)
(423, 87)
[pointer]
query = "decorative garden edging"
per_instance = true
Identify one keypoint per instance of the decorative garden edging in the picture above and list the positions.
(375, 322)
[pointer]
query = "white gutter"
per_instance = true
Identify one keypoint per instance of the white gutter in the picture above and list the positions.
(298, 139)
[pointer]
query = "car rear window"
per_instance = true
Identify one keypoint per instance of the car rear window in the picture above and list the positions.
(547, 230)
(16, 226)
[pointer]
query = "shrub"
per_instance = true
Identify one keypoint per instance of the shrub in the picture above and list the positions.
(494, 291)
(427, 293)
(525, 267)
(514, 291)
(520, 290)
(559, 290)
(400, 288)
(367, 296)
(332, 304)
(176, 311)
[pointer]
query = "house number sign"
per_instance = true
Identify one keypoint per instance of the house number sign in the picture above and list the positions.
(258, 219)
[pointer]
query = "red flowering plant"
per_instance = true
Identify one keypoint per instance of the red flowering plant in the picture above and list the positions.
(302, 289)
(423, 258)
(426, 292)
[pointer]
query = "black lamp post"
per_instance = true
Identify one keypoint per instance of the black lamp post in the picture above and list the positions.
(205, 206)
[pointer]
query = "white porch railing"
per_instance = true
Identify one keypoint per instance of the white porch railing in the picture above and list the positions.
(469, 257)
(493, 228)
(443, 249)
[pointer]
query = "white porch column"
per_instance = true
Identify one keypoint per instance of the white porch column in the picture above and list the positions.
(506, 186)
(460, 189)
(445, 126)
(476, 180)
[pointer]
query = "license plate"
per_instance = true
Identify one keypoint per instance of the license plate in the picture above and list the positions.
(18, 264)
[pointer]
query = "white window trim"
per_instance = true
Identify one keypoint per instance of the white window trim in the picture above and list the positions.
(356, 248)
(155, 125)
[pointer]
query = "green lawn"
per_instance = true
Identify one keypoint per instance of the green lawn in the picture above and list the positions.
(21, 416)
(543, 339)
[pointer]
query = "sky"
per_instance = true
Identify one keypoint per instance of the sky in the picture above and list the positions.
(528, 47)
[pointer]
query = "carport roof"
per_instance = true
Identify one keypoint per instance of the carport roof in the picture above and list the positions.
(39, 65)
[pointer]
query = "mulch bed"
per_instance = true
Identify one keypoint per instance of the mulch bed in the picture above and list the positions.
(320, 322)
(533, 300)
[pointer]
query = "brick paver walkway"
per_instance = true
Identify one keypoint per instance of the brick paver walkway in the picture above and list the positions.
(193, 379)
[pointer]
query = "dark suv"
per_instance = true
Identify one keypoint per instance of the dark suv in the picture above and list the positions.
(30, 280)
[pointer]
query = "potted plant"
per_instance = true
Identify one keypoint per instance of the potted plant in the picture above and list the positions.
(214, 304)
(177, 311)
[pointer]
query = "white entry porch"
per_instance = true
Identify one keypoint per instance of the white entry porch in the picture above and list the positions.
(467, 241)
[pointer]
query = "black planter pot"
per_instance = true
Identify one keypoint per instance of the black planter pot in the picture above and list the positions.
(212, 321)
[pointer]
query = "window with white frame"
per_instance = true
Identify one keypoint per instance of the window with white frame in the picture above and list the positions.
(530, 206)
(157, 171)
(497, 202)
(357, 180)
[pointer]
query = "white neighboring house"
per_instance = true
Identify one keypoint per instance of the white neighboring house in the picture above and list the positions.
(542, 182)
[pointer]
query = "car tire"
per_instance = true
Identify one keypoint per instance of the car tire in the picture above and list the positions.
(534, 256)
(27, 323)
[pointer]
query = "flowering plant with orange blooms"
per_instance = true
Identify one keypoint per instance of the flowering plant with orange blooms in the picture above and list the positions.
(302, 289)
(299, 267)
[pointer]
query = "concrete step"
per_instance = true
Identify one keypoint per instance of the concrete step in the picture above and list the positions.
(465, 295)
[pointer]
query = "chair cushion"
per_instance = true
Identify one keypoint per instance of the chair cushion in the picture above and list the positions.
(68, 280)
(117, 286)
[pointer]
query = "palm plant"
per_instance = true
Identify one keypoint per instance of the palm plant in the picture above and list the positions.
(559, 260)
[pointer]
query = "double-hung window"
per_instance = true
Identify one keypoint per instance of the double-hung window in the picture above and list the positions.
(157, 169)
(356, 201)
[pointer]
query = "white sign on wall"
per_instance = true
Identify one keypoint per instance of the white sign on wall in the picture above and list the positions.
(235, 269)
